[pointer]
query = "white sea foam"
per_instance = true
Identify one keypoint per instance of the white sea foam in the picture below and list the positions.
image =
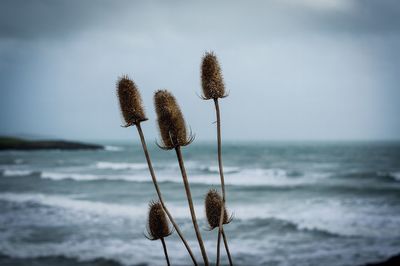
(393, 175)
(73, 176)
(250, 251)
(330, 216)
(270, 177)
(9, 172)
(396, 176)
(121, 166)
(254, 177)
(102, 209)
(140, 251)
(70, 203)
(57, 176)
(110, 209)
(250, 177)
(113, 148)
(215, 169)
(335, 216)
(273, 177)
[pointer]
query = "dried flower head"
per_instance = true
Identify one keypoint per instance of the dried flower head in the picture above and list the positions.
(130, 101)
(157, 225)
(211, 78)
(213, 204)
(170, 121)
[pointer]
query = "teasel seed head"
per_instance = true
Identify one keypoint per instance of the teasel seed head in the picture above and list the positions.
(157, 224)
(170, 120)
(130, 101)
(212, 81)
(213, 204)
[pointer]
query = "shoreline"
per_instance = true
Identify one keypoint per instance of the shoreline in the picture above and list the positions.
(11, 143)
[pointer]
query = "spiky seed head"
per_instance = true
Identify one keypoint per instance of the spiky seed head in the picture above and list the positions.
(170, 121)
(211, 77)
(213, 204)
(130, 101)
(157, 225)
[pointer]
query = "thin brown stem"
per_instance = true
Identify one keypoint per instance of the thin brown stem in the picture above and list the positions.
(218, 246)
(221, 174)
(227, 248)
(165, 250)
(153, 176)
(190, 201)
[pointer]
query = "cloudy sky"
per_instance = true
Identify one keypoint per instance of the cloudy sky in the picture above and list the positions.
(296, 70)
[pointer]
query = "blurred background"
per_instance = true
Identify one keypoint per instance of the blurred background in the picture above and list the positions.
(310, 129)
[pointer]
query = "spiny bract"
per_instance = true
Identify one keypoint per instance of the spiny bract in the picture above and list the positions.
(157, 225)
(170, 121)
(213, 204)
(130, 101)
(211, 77)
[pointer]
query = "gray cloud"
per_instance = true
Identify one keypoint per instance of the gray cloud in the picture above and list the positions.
(24, 19)
(296, 69)
(362, 17)
(57, 18)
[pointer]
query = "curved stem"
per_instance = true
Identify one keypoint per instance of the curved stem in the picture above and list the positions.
(227, 248)
(153, 176)
(165, 250)
(221, 174)
(190, 201)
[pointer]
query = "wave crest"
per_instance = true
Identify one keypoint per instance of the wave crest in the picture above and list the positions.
(121, 166)
(10, 172)
(113, 148)
(247, 177)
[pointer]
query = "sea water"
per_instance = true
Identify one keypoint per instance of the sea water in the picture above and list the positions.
(293, 203)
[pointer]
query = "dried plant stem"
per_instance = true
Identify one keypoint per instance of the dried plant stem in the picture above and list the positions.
(165, 251)
(218, 246)
(190, 201)
(227, 248)
(153, 176)
(221, 174)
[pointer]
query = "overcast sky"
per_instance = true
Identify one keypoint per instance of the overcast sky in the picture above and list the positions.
(296, 70)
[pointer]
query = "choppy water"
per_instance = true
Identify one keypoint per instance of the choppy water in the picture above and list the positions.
(293, 203)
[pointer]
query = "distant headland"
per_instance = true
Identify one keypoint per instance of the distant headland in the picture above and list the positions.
(12, 143)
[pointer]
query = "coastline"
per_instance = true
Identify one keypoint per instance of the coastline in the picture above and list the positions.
(11, 143)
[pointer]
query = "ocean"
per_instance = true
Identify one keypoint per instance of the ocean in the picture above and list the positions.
(294, 203)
